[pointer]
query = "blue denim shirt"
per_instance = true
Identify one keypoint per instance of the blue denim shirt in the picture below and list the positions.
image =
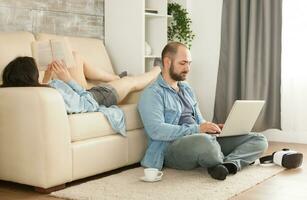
(160, 110)
(78, 100)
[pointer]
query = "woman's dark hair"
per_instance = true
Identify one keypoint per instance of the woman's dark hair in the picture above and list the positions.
(21, 72)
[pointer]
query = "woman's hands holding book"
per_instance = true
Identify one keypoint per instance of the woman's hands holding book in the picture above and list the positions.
(48, 74)
(60, 69)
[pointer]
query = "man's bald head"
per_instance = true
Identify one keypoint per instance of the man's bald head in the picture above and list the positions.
(170, 50)
(176, 59)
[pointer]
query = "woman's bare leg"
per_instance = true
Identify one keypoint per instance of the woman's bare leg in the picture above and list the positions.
(77, 72)
(129, 84)
(95, 74)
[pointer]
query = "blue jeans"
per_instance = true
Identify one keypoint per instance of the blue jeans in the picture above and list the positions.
(206, 151)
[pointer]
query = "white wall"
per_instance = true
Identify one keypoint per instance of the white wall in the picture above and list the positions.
(286, 136)
(206, 23)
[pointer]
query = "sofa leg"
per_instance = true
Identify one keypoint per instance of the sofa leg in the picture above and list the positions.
(49, 190)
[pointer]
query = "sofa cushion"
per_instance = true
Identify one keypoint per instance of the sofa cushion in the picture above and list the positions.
(90, 125)
(14, 44)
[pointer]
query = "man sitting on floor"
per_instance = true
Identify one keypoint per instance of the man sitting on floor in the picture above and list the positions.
(178, 136)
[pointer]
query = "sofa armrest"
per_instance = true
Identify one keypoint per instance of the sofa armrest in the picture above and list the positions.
(35, 141)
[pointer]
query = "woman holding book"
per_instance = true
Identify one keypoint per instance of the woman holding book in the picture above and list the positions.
(23, 72)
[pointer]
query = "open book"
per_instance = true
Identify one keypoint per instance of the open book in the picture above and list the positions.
(46, 51)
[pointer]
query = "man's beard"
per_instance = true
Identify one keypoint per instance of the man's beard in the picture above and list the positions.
(175, 76)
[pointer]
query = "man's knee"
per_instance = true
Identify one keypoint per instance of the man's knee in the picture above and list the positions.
(207, 149)
(203, 142)
(261, 142)
(198, 144)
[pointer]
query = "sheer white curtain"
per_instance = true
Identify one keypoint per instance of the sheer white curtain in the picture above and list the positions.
(294, 66)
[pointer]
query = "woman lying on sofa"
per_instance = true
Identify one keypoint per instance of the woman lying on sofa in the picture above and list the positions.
(23, 72)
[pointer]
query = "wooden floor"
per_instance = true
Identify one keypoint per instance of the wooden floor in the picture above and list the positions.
(290, 184)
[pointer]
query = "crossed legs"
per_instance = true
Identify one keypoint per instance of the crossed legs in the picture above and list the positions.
(208, 151)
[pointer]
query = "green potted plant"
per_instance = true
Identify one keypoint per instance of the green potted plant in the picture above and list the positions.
(179, 29)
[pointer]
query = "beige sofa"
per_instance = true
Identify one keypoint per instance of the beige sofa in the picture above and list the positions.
(42, 146)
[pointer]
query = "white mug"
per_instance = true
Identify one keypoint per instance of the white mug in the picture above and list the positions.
(152, 173)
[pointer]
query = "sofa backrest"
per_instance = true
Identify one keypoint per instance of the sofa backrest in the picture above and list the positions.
(13, 44)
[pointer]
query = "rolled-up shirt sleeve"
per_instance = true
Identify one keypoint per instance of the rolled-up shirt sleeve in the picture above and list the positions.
(76, 98)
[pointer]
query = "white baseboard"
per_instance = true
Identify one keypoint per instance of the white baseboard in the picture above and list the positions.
(286, 136)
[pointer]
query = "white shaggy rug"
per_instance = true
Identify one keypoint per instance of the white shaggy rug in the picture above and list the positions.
(195, 184)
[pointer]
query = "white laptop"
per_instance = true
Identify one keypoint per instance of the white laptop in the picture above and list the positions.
(242, 117)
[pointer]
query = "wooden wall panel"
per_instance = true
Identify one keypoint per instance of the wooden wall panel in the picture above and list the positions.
(68, 24)
(15, 19)
(65, 17)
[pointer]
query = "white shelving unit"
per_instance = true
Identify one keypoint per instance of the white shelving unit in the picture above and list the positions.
(128, 26)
